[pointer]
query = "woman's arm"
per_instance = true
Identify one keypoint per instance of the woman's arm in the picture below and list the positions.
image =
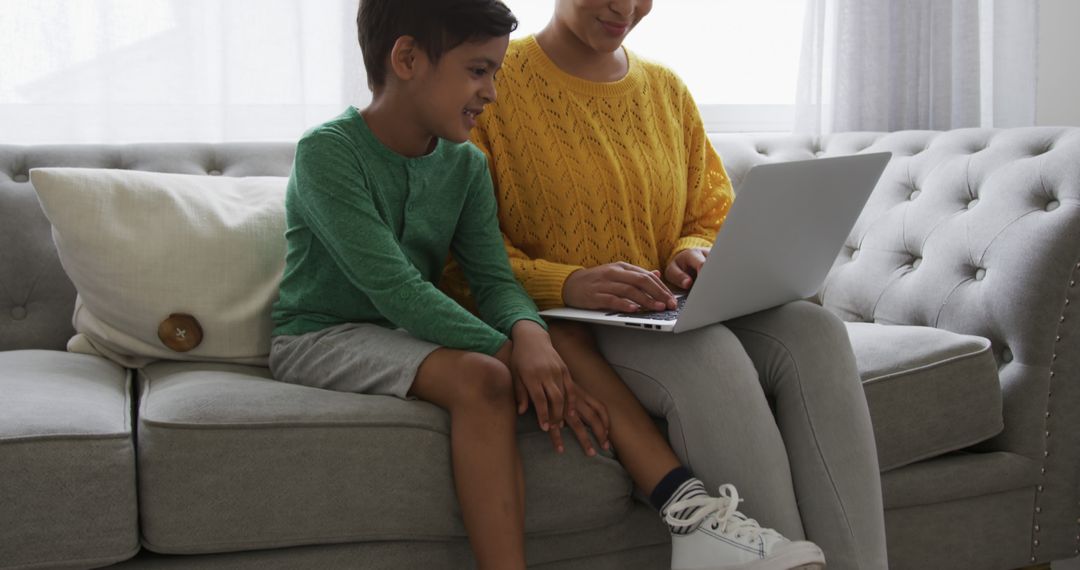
(709, 196)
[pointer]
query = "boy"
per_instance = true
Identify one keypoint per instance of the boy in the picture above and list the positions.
(376, 200)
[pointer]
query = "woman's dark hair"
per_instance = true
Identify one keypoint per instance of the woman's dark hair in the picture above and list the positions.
(437, 25)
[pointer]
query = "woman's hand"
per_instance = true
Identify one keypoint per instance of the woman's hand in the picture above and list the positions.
(617, 287)
(685, 266)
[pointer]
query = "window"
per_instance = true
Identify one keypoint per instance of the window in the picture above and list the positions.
(116, 71)
(740, 58)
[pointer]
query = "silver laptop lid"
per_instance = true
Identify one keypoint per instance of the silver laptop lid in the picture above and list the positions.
(780, 238)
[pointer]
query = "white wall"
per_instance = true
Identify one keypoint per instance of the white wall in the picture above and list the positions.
(1059, 71)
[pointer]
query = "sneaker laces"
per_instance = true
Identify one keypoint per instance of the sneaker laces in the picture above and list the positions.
(721, 510)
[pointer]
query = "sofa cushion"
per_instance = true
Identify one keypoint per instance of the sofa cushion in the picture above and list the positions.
(930, 391)
(67, 461)
(168, 266)
(230, 459)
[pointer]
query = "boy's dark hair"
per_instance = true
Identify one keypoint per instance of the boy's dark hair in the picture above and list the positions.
(437, 25)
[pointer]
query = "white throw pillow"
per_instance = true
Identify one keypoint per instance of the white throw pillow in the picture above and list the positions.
(168, 266)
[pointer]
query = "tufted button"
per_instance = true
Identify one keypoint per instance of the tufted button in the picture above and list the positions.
(980, 274)
(1052, 205)
(214, 172)
(972, 203)
(18, 313)
(180, 332)
(915, 263)
(914, 194)
(20, 178)
(1006, 355)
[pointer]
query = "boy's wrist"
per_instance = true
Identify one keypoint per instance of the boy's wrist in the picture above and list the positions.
(526, 329)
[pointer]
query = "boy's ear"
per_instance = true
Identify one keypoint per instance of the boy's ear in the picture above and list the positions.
(405, 56)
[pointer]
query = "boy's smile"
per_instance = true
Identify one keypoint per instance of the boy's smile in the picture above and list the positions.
(425, 101)
(450, 94)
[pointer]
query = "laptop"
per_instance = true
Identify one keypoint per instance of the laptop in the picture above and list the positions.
(779, 241)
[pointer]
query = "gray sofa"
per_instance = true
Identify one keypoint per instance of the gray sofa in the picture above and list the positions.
(958, 286)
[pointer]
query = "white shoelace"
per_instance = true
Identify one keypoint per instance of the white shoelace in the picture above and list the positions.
(723, 512)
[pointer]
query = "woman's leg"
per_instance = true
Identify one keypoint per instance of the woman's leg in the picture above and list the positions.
(641, 448)
(705, 533)
(477, 391)
(719, 422)
(803, 357)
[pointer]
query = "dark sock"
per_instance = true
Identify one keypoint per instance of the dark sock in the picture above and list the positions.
(690, 489)
(667, 486)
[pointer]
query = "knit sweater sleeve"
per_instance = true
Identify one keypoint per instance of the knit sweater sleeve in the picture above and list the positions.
(542, 279)
(709, 193)
(341, 212)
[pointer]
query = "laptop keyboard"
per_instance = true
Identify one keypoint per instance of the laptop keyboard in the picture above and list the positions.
(669, 315)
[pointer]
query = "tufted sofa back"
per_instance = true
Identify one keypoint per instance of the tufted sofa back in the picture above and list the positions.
(974, 231)
(953, 237)
(36, 297)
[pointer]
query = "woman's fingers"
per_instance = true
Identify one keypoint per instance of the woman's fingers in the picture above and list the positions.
(608, 302)
(617, 287)
(686, 266)
(648, 289)
(679, 276)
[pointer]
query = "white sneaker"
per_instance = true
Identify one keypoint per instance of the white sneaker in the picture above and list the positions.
(724, 539)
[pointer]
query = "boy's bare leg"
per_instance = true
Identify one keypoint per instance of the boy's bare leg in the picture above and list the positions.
(642, 450)
(478, 393)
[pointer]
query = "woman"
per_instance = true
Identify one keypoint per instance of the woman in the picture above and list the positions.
(608, 186)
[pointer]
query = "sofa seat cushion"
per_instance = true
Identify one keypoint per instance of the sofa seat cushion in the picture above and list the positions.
(67, 461)
(930, 391)
(230, 459)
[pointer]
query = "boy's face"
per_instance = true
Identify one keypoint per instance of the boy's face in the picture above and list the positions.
(602, 24)
(451, 93)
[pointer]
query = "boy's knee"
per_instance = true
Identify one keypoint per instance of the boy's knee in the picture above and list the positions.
(487, 381)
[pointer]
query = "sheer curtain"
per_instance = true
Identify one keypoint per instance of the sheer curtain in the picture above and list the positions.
(174, 70)
(885, 65)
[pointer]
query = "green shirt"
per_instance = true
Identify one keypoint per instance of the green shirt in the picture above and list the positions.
(369, 231)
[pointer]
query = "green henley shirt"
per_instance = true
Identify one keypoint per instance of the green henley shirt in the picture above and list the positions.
(369, 231)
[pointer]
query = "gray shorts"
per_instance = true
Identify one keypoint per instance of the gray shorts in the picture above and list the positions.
(352, 357)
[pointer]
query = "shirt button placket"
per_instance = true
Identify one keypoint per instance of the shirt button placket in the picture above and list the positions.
(409, 185)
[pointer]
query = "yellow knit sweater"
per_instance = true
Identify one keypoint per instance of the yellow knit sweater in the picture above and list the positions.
(591, 173)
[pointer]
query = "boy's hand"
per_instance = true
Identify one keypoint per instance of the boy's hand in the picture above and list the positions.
(540, 375)
(590, 413)
(685, 267)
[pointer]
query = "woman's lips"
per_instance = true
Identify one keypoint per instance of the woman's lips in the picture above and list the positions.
(615, 29)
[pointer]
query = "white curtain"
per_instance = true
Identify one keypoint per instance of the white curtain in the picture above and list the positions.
(886, 65)
(119, 71)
